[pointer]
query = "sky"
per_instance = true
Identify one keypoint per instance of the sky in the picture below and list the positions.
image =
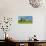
(25, 17)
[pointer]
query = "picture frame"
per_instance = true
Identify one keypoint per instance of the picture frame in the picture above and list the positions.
(25, 19)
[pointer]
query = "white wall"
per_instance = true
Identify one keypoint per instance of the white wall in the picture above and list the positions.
(38, 26)
(45, 29)
(24, 31)
(15, 8)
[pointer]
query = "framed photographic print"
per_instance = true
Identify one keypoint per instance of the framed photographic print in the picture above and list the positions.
(25, 19)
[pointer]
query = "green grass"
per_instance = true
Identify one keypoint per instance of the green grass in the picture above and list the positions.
(25, 21)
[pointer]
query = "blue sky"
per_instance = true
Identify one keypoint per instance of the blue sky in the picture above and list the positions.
(25, 17)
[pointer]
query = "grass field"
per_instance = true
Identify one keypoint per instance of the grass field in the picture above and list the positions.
(25, 21)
